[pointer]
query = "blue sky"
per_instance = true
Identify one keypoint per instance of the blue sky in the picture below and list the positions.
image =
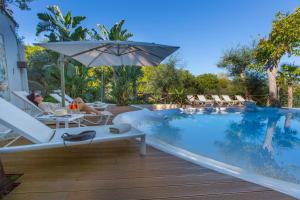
(203, 29)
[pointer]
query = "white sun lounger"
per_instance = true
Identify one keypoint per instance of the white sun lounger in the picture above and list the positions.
(229, 101)
(192, 100)
(240, 99)
(57, 96)
(95, 105)
(218, 100)
(204, 101)
(30, 107)
(36, 111)
(44, 137)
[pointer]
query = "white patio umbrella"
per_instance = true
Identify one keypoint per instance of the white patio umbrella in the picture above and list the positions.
(110, 53)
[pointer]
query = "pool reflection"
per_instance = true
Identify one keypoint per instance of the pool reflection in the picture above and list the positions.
(257, 141)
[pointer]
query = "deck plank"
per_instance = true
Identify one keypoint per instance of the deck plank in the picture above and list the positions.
(115, 170)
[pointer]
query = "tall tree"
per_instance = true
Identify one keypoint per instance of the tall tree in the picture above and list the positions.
(283, 39)
(268, 57)
(236, 60)
(122, 85)
(207, 83)
(290, 75)
(116, 32)
(136, 73)
(165, 77)
(42, 68)
(59, 27)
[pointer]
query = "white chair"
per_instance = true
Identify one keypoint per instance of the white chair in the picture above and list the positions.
(240, 99)
(206, 102)
(44, 137)
(218, 100)
(229, 101)
(192, 100)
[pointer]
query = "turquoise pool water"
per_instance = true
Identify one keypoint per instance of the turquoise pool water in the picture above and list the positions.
(264, 142)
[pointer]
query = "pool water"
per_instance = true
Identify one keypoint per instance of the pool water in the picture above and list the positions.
(264, 142)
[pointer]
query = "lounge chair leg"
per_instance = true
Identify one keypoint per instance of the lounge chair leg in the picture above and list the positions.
(57, 124)
(107, 119)
(143, 145)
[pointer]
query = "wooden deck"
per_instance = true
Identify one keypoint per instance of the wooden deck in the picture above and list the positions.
(115, 171)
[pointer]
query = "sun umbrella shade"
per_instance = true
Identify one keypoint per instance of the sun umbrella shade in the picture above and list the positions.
(112, 53)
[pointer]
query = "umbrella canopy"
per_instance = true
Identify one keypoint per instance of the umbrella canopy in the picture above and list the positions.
(109, 53)
(112, 53)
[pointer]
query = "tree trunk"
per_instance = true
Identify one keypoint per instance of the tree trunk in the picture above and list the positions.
(290, 95)
(273, 96)
(271, 126)
(242, 77)
(242, 73)
(287, 122)
(62, 79)
(102, 87)
(134, 87)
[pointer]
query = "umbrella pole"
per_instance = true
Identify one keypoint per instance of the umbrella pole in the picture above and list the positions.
(62, 79)
(102, 85)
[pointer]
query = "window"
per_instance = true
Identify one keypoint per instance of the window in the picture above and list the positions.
(3, 70)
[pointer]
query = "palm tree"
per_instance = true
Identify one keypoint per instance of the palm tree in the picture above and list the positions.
(59, 27)
(136, 73)
(115, 33)
(289, 75)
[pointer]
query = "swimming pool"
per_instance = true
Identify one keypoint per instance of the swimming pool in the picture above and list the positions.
(261, 146)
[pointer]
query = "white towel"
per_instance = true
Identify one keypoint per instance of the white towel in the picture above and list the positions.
(120, 128)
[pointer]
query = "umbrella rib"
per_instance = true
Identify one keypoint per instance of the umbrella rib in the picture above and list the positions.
(128, 52)
(101, 52)
(124, 51)
(82, 52)
(152, 54)
(112, 53)
(149, 61)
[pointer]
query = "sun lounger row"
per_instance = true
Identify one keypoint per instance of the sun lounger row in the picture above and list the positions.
(216, 100)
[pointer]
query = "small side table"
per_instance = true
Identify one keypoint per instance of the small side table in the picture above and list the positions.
(64, 119)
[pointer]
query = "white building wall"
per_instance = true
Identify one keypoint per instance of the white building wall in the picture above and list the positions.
(14, 50)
